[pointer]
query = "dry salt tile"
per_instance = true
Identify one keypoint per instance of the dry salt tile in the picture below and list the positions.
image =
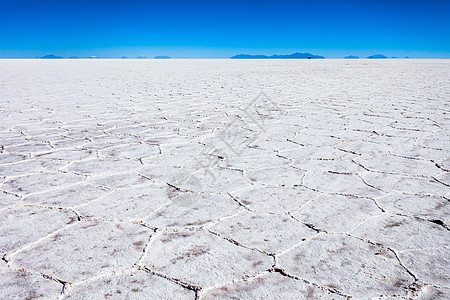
(35, 125)
(30, 167)
(275, 199)
(443, 164)
(8, 199)
(133, 129)
(157, 133)
(404, 184)
(191, 131)
(420, 152)
(6, 158)
(68, 196)
(443, 177)
(103, 166)
(395, 297)
(273, 133)
(429, 265)
(29, 148)
(437, 140)
(314, 153)
(319, 133)
(276, 177)
(270, 286)
(20, 284)
(69, 143)
(423, 125)
(247, 163)
(338, 166)
(187, 146)
(130, 285)
(7, 135)
(77, 122)
(43, 139)
(263, 231)
(23, 225)
(347, 264)
(323, 120)
(67, 155)
(106, 141)
(94, 248)
(168, 173)
(339, 183)
(210, 180)
(120, 181)
(430, 292)
(396, 164)
(365, 147)
(412, 134)
(337, 213)
(43, 132)
(166, 140)
(430, 208)
(403, 233)
(82, 125)
(131, 151)
(392, 141)
(316, 141)
(203, 259)
(353, 134)
(85, 134)
(127, 204)
(35, 183)
(193, 210)
(269, 145)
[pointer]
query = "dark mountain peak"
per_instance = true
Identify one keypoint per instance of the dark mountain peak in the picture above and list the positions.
(249, 56)
(162, 57)
(377, 56)
(351, 57)
(296, 55)
(51, 56)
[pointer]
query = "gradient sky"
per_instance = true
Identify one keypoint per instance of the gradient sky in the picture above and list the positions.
(220, 29)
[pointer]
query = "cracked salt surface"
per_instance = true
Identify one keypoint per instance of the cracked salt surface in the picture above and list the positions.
(169, 180)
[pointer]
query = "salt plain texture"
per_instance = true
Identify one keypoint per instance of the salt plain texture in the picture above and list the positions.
(222, 179)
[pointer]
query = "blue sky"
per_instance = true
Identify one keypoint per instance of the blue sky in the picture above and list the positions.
(220, 29)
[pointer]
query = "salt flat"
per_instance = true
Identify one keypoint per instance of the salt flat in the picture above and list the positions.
(219, 179)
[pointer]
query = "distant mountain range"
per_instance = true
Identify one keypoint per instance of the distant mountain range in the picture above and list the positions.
(295, 55)
(51, 56)
(377, 56)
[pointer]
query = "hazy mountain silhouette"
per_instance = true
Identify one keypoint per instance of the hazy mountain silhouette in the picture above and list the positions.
(351, 57)
(73, 57)
(51, 56)
(162, 57)
(124, 57)
(142, 57)
(377, 56)
(295, 55)
(249, 56)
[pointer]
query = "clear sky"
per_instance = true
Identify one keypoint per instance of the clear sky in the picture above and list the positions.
(220, 29)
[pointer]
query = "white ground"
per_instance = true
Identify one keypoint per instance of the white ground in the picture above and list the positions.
(216, 179)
